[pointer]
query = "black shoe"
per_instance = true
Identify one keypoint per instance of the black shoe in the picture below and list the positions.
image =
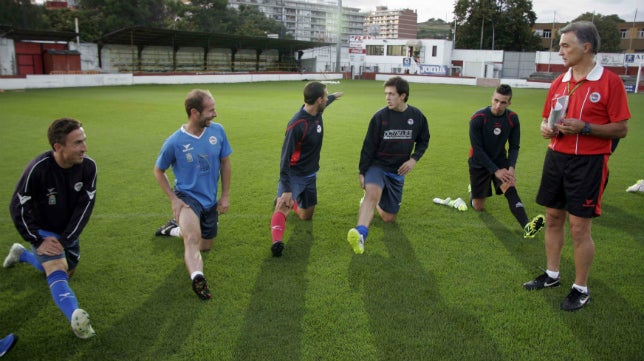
(575, 300)
(277, 249)
(543, 281)
(166, 228)
(200, 286)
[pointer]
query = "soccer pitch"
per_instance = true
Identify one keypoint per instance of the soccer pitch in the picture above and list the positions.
(437, 285)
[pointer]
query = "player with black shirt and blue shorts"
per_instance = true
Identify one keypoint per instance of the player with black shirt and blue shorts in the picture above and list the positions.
(300, 162)
(50, 207)
(397, 137)
(491, 128)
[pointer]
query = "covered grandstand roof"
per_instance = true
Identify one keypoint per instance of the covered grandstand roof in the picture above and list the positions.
(35, 35)
(144, 36)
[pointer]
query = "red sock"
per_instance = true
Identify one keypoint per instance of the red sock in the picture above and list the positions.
(278, 224)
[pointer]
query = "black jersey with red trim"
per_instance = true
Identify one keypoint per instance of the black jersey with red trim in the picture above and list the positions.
(54, 199)
(393, 138)
(302, 145)
(489, 134)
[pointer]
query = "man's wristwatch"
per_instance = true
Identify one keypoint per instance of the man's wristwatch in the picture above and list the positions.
(586, 130)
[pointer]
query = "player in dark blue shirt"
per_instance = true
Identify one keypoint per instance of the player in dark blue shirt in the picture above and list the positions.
(51, 205)
(397, 137)
(491, 128)
(300, 161)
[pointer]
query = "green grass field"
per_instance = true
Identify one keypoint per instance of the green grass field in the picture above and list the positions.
(436, 285)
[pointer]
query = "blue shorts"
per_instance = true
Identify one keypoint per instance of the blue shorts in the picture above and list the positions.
(304, 189)
(573, 182)
(208, 218)
(71, 252)
(391, 185)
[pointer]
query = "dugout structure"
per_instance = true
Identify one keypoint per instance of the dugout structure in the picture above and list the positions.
(36, 52)
(141, 49)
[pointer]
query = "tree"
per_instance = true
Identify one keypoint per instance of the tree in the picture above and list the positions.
(608, 28)
(211, 16)
(23, 15)
(112, 15)
(253, 22)
(495, 24)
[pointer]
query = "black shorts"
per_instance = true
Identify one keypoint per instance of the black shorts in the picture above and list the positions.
(480, 181)
(573, 182)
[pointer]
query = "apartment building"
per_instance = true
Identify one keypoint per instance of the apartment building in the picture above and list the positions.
(310, 20)
(391, 24)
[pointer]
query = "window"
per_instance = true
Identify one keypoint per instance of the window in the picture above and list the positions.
(640, 33)
(396, 50)
(539, 32)
(547, 33)
(434, 51)
(375, 50)
(623, 33)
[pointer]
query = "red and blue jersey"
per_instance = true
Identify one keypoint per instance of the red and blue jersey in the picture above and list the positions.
(302, 145)
(488, 136)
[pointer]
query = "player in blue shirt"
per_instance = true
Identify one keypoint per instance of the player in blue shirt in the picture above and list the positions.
(199, 156)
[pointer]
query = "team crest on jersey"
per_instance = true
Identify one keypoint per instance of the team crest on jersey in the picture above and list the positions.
(51, 195)
(497, 131)
(78, 186)
(595, 97)
(410, 121)
(212, 140)
(319, 128)
(189, 157)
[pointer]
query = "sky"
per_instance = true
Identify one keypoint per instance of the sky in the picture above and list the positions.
(546, 10)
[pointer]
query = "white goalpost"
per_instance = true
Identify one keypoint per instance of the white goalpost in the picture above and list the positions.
(638, 78)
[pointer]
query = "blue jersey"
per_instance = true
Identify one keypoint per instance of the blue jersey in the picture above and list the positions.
(195, 161)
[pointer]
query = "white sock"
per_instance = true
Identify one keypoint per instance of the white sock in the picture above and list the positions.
(552, 274)
(175, 232)
(195, 274)
(582, 289)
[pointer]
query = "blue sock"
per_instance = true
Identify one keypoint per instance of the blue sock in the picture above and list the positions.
(364, 231)
(62, 294)
(29, 257)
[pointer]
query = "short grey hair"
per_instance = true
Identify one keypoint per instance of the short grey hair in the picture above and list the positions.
(586, 32)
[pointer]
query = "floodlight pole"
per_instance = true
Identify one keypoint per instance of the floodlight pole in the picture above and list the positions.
(552, 36)
(338, 45)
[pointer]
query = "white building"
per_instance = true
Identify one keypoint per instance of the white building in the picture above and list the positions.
(398, 56)
(309, 20)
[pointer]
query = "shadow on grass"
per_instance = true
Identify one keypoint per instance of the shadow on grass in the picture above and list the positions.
(162, 325)
(530, 252)
(408, 318)
(607, 312)
(614, 217)
(273, 322)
